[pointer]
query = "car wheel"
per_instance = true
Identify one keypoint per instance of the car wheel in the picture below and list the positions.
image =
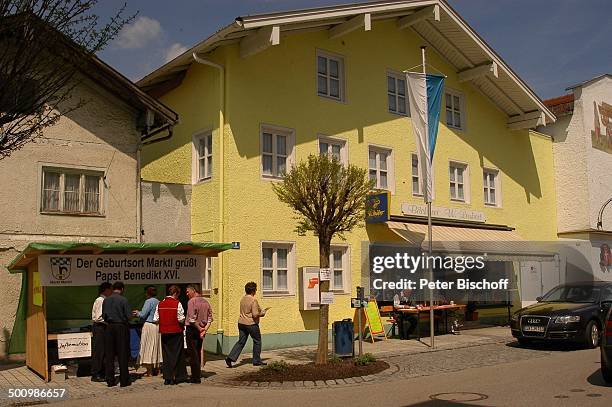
(524, 341)
(606, 371)
(591, 339)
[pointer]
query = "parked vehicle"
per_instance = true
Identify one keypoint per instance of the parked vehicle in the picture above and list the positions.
(606, 349)
(573, 312)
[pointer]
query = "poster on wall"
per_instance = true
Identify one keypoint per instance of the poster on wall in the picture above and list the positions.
(601, 135)
(605, 258)
(92, 270)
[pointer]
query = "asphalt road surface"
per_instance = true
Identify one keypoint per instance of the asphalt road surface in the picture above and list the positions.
(559, 378)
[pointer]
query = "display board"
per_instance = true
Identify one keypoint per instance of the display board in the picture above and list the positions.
(370, 319)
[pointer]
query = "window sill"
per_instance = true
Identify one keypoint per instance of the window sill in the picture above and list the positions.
(459, 201)
(265, 177)
(455, 128)
(339, 292)
(203, 181)
(87, 215)
(206, 293)
(493, 206)
(273, 294)
(339, 100)
(398, 113)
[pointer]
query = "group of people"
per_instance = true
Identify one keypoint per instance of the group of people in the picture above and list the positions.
(166, 332)
(167, 327)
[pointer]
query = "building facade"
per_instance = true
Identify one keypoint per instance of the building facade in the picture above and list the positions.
(269, 90)
(79, 181)
(582, 151)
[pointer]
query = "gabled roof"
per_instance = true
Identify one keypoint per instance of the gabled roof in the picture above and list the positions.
(433, 20)
(561, 105)
(589, 81)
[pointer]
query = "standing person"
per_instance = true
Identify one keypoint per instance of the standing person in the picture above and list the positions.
(97, 330)
(248, 325)
(199, 318)
(171, 316)
(116, 312)
(150, 355)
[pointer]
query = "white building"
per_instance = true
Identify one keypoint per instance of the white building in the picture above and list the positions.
(582, 151)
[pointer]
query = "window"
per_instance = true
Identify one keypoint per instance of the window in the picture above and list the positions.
(339, 268)
(380, 166)
(276, 151)
(203, 155)
(277, 270)
(455, 116)
(330, 76)
(490, 181)
(396, 94)
(458, 182)
(208, 280)
(333, 148)
(417, 184)
(71, 191)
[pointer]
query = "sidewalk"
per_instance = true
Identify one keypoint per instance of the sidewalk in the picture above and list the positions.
(216, 373)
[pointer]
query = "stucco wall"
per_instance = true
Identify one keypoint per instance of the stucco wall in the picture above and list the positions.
(100, 135)
(278, 87)
(170, 203)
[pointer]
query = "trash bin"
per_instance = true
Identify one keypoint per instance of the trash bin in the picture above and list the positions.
(343, 338)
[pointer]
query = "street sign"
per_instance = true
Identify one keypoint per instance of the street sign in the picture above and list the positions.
(355, 303)
(325, 274)
(327, 298)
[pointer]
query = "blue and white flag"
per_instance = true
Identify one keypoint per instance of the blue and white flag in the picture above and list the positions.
(425, 97)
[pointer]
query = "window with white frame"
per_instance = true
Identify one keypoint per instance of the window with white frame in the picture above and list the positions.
(339, 268)
(208, 279)
(417, 184)
(490, 181)
(396, 94)
(380, 167)
(72, 191)
(455, 115)
(276, 268)
(203, 149)
(330, 76)
(276, 151)
(458, 177)
(333, 148)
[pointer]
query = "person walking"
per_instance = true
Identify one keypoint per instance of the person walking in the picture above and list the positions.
(98, 329)
(150, 354)
(171, 317)
(116, 312)
(248, 325)
(198, 320)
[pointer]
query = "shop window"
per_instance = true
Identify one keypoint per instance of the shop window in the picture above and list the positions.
(277, 269)
(203, 156)
(380, 165)
(333, 148)
(276, 151)
(330, 76)
(207, 282)
(459, 182)
(396, 94)
(71, 191)
(492, 190)
(455, 110)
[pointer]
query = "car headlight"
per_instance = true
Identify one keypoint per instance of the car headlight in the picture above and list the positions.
(514, 317)
(565, 319)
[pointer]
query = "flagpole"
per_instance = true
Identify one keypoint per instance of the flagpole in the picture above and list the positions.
(429, 232)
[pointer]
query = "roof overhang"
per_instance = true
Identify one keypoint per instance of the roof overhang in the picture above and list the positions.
(438, 24)
(33, 250)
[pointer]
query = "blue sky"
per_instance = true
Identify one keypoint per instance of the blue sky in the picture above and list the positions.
(551, 44)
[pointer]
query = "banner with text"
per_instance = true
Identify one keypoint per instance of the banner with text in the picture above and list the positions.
(92, 270)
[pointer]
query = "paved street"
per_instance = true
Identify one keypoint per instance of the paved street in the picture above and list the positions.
(484, 363)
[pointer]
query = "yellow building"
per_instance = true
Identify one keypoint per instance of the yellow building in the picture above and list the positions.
(282, 86)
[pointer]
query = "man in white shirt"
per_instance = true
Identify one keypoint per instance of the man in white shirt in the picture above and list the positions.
(98, 329)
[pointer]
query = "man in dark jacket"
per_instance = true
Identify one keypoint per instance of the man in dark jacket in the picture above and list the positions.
(116, 312)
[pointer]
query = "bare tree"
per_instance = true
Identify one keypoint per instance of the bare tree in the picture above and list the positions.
(329, 199)
(43, 45)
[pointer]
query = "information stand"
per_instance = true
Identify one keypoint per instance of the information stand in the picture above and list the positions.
(56, 273)
(374, 324)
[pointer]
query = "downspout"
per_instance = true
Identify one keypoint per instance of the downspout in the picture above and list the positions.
(139, 194)
(221, 70)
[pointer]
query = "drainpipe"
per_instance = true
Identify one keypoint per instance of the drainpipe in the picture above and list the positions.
(221, 70)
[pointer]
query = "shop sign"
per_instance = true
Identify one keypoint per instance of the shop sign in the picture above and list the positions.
(74, 345)
(442, 212)
(377, 207)
(92, 270)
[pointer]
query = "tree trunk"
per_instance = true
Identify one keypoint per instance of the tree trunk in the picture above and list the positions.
(324, 249)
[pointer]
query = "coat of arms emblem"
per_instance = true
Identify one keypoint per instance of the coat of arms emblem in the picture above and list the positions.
(60, 267)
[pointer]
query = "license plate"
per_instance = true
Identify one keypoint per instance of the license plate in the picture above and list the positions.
(532, 328)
